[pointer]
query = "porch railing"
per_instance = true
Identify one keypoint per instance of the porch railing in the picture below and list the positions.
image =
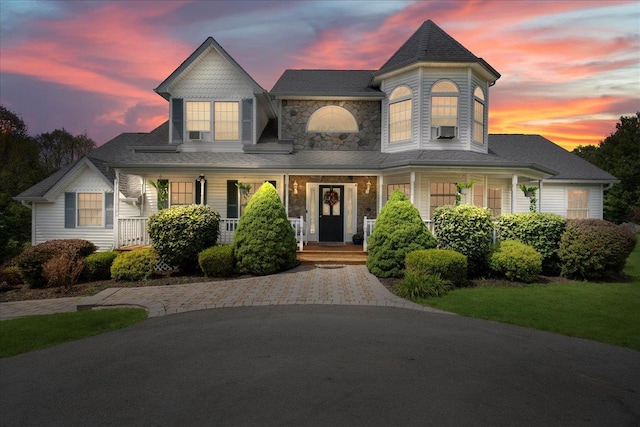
(133, 231)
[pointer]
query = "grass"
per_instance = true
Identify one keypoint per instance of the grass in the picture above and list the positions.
(605, 312)
(35, 332)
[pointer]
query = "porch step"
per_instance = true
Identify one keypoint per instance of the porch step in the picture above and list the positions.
(332, 257)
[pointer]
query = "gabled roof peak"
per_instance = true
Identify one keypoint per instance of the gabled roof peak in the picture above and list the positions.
(431, 43)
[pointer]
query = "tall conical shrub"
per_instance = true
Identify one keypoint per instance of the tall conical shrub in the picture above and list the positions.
(264, 242)
(399, 230)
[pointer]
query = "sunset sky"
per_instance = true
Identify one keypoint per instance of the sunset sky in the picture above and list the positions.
(569, 69)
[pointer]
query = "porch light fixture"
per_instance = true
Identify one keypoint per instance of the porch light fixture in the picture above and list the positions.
(367, 190)
(201, 177)
(295, 187)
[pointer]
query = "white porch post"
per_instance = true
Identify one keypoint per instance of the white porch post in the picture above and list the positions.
(380, 184)
(413, 187)
(514, 192)
(116, 210)
(286, 193)
(539, 195)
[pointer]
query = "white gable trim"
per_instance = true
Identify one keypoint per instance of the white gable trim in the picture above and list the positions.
(51, 193)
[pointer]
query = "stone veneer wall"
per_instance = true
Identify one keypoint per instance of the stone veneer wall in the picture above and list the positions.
(296, 114)
(367, 203)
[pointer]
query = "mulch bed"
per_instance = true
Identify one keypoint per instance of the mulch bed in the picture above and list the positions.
(24, 292)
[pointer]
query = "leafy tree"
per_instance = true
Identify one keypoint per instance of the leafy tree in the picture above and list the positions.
(19, 169)
(619, 154)
(59, 148)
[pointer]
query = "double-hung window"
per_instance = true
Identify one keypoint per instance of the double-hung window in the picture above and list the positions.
(444, 110)
(181, 193)
(577, 204)
(218, 121)
(405, 188)
(85, 209)
(441, 194)
(478, 116)
(400, 114)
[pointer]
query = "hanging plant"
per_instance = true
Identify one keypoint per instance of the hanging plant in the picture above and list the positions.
(462, 189)
(530, 192)
(331, 198)
(162, 190)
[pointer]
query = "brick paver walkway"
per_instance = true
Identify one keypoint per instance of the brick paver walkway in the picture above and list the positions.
(342, 285)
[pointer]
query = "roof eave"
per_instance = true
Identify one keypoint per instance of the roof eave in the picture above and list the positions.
(480, 65)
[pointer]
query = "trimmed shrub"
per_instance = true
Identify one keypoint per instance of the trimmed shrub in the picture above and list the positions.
(466, 229)
(542, 231)
(449, 265)
(32, 260)
(98, 266)
(415, 286)
(134, 265)
(398, 230)
(264, 242)
(217, 261)
(180, 233)
(594, 248)
(10, 276)
(62, 271)
(516, 261)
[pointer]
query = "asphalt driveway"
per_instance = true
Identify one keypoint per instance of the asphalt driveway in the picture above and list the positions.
(322, 365)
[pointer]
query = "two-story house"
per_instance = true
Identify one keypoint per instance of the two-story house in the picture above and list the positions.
(335, 143)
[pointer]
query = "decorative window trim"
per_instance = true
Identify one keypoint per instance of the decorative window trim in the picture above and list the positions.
(400, 114)
(479, 109)
(332, 119)
(219, 125)
(73, 217)
(446, 94)
(577, 208)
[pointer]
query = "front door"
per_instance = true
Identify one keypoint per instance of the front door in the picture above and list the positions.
(331, 223)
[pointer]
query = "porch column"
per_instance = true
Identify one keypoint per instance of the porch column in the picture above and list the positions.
(539, 195)
(413, 187)
(380, 184)
(116, 210)
(514, 192)
(286, 193)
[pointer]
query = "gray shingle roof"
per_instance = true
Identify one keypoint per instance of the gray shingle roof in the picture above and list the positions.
(537, 149)
(505, 151)
(431, 43)
(326, 83)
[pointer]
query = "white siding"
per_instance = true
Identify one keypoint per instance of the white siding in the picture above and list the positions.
(211, 77)
(411, 80)
(49, 217)
(460, 78)
(554, 198)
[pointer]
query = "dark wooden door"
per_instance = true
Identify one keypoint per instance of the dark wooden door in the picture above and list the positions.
(331, 224)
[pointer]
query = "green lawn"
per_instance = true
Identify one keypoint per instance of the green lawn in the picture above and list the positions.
(34, 332)
(605, 312)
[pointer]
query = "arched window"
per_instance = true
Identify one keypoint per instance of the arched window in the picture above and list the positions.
(332, 119)
(444, 110)
(400, 114)
(478, 116)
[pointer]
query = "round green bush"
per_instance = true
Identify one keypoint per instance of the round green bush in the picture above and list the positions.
(180, 233)
(32, 260)
(97, 266)
(449, 265)
(516, 261)
(134, 265)
(594, 248)
(415, 286)
(466, 229)
(217, 261)
(264, 242)
(542, 231)
(398, 230)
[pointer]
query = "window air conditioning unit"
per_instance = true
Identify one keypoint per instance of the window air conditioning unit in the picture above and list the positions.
(446, 132)
(195, 135)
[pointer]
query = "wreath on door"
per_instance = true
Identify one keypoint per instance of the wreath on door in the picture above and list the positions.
(331, 198)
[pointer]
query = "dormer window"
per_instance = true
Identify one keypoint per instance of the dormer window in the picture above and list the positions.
(478, 116)
(225, 123)
(332, 119)
(198, 120)
(400, 114)
(444, 110)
